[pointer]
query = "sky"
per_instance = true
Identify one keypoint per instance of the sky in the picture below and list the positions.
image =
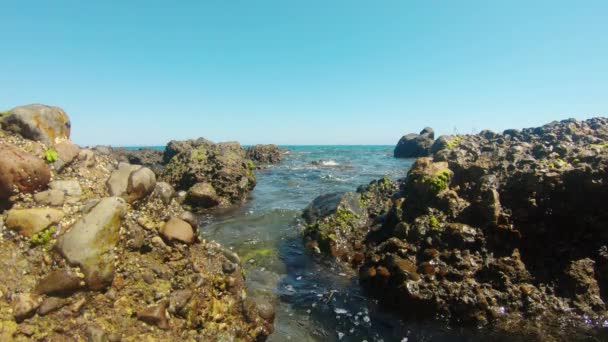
(303, 72)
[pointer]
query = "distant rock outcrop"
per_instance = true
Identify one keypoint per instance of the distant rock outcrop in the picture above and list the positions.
(214, 174)
(264, 154)
(415, 145)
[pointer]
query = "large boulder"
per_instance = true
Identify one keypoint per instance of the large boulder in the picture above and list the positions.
(20, 172)
(415, 145)
(265, 154)
(38, 122)
(333, 224)
(89, 243)
(223, 166)
(119, 179)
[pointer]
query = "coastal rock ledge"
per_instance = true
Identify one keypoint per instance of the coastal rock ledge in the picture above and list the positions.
(505, 230)
(94, 249)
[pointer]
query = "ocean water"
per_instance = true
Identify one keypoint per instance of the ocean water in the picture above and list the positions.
(314, 300)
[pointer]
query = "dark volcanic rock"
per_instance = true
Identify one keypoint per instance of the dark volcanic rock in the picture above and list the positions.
(498, 229)
(222, 166)
(265, 154)
(415, 145)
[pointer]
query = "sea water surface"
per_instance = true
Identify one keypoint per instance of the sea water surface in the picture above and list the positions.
(314, 301)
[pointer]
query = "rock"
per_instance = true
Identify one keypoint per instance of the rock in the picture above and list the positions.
(95, 334)
(141, 183)
(264, 154)
(38, 122)
(59, 282)
(24, 306)
(221, 165)
(50, 197)
(164, 191)
(119, 179)
(415, 145)
(203, 195)
(175, 147)
(71, 188)
(20, 172)
(155, 315)
(265, 309)
(332, 218)
(329, 204)
(103, 150)
(190, 218)
(28, 222)
(90, 241)
(178, 229)
(179, 299)
(491, 229)
(66, 153)
(148, 157)
(51, 304)
(87, 157)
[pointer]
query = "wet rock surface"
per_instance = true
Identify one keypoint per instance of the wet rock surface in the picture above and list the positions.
(496, 229)
(94, 265)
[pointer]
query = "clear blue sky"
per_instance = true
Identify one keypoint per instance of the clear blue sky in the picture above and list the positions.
(303, 72)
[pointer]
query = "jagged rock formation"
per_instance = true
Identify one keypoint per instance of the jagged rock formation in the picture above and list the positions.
(263, 155)
(213, 174)
(501, 229)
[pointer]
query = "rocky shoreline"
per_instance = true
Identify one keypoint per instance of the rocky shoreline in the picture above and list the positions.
(502, 230)
(95, 248)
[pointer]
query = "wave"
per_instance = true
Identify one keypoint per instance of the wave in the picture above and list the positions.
(326, 162)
